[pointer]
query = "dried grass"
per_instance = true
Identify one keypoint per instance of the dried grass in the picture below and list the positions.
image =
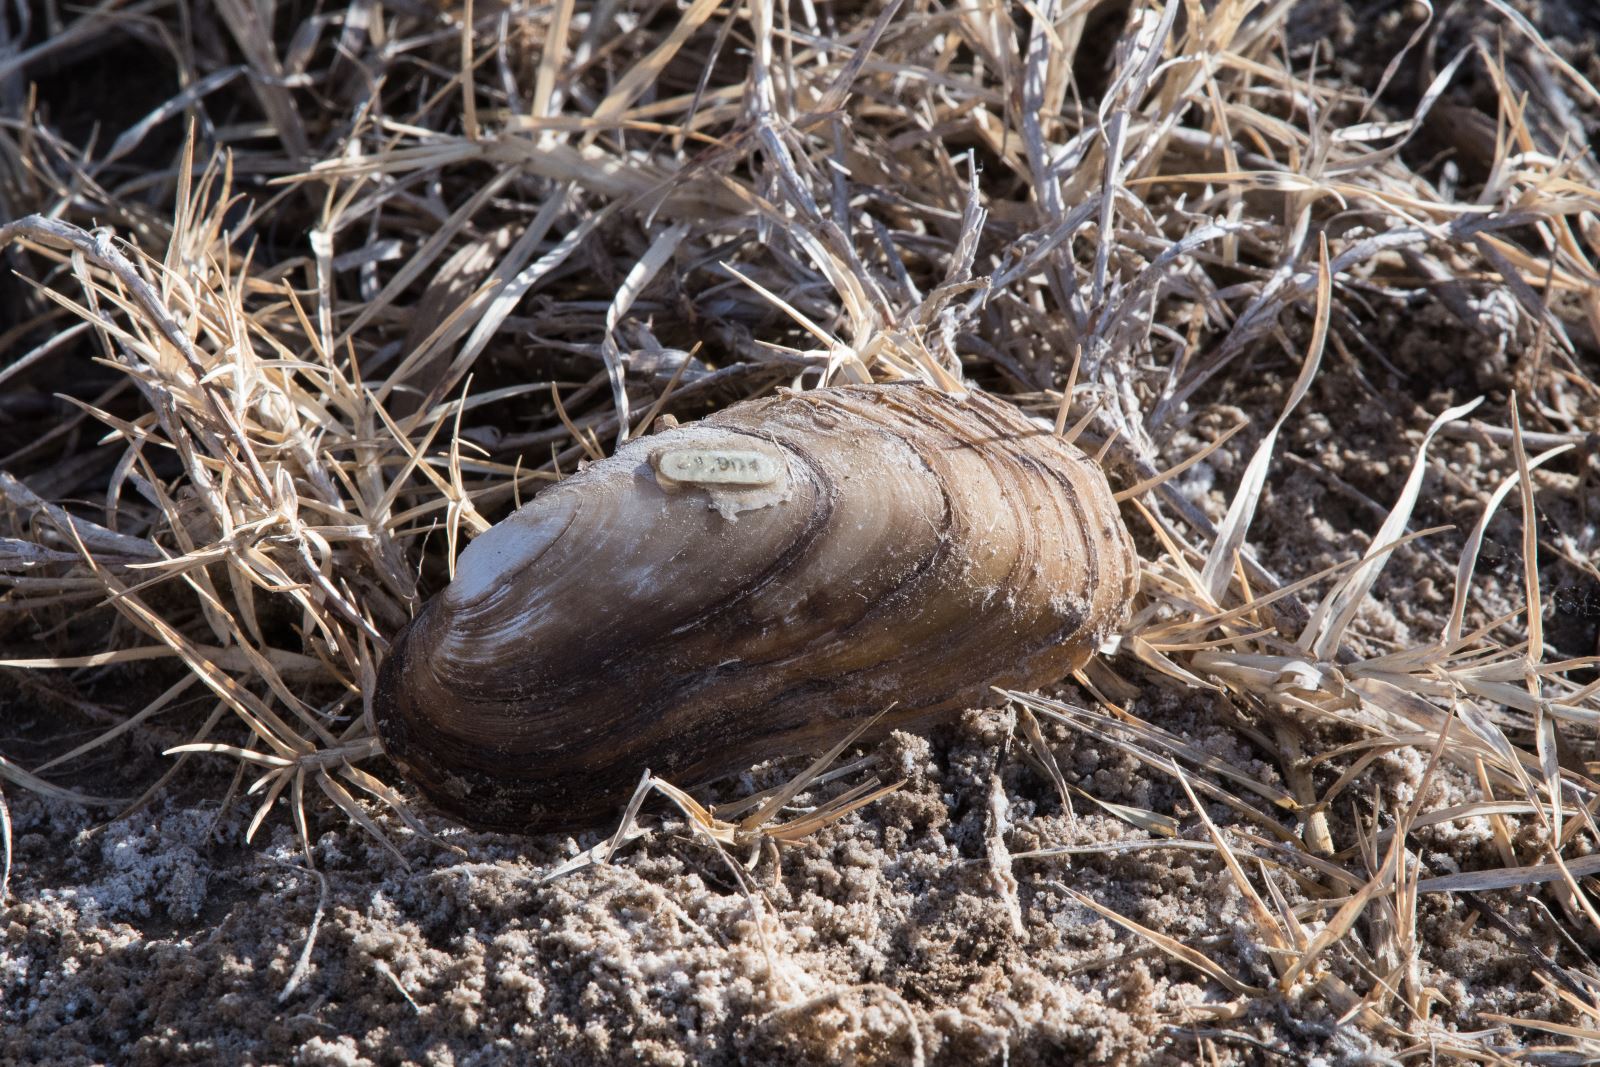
(450, 252)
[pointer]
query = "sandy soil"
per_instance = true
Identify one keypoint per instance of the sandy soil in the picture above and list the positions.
(159, 939)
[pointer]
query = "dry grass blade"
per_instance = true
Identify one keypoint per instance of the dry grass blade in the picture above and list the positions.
(754, 830)
(643, 272)
(1231, 533)
(302, 964)
(1345, 918)
(16, 775)
(5, 849)
(1046, 756)
(799, 782)
(1332, 616)
(831, 812)
(1172, 947)
(1469, 554)
(1267, 927)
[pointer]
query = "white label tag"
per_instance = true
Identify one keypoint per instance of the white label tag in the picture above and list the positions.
(718, 466)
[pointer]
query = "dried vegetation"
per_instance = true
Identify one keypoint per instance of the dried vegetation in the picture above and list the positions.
(329, 288)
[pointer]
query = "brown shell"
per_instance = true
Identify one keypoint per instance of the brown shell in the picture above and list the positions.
(751, 585)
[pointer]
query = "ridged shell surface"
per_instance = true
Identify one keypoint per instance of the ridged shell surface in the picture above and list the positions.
(752, 585)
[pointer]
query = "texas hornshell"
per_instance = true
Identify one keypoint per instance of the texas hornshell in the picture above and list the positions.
(750, 585)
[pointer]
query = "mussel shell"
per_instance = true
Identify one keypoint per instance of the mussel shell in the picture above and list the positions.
(752, 585)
